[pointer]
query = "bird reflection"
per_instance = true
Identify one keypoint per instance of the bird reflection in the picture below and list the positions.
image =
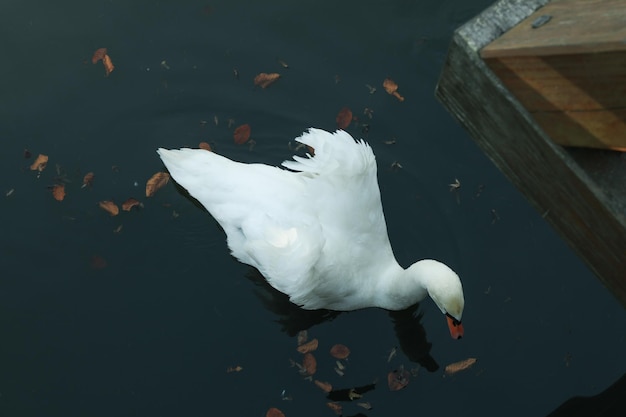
(292, 319)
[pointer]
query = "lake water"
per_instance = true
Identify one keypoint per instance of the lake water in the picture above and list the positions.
(143, 313)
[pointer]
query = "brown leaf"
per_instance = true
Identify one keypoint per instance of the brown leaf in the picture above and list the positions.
(325, 386)
(336, 407)
(309, 364)
(108, 65)
(392, 88)
(98, 262)
(205, 146)
(398, 379)
(98, 55)
(274, 412)
(156, 182)
(265, 80)
(58, 192)
(308, 347)
(129, 204)
(339, 351)
(344, 118)
(242, 134)
(88, 179)
(110, 207)
(455, 367)
(40, 163)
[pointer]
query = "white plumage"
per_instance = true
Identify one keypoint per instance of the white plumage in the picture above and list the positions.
(317, 233)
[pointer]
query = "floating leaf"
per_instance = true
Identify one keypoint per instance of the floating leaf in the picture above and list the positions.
(303, 335)
(88, 179)
(344, 118)
(40, 163)
(308, 347)
(274, 412)
(324, 386)
(365, 405)
(58, 192)
(339, 351)
(392, 88)
(129, 204)
(205, 146)
(242, 134)
(110, 207)
(455, 367)
(156, 182)
(265, 80)
(98, 55)
(108, 65)
(336, 407)
(398, 379)
(98, 262)
(309, 364)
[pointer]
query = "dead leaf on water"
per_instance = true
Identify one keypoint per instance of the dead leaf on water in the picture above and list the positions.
(110, 207)
(303, 335)
(339, 351)
(398, 379)
(308, 347)
(40, 163)
(156, 182)
(88, 180)
(336, 407)
(108, 65)
(242, 134)
(130, 203)
(344, 118)
(58, 192)
(98, 55)
(274, 412)
(309, 364)
(324, 386)
(392, 88)
(365, 405)
(205, 146)
(265, 80)
(455, 367)
(98, 262)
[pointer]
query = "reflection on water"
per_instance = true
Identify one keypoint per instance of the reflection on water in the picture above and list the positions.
(293, 319)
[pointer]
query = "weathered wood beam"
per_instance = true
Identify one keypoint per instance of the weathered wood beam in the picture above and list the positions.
(566, 64)
(582, 193)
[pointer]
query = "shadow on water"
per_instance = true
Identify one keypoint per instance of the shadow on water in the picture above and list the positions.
(609, 403)
(292, 319)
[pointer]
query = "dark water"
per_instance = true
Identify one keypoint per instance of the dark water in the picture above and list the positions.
(153, 332)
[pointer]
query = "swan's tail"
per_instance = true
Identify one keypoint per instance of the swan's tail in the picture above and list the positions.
(335, 154)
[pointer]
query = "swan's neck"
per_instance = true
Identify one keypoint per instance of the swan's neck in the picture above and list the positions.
(400, 288)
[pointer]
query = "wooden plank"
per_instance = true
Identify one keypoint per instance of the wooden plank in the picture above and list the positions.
(580, 192)
(570, 78)
(575, 27)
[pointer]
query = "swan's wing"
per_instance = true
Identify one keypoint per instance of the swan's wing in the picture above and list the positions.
(342, 175)
(261, 208)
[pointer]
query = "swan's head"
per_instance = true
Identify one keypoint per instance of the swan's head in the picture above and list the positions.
(444, 287)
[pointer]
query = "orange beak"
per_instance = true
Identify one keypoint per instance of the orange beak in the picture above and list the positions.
(455, 326)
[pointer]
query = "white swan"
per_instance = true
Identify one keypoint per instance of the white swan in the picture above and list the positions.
(317, 234)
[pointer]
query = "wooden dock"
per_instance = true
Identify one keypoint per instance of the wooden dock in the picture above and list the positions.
(541, 87)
